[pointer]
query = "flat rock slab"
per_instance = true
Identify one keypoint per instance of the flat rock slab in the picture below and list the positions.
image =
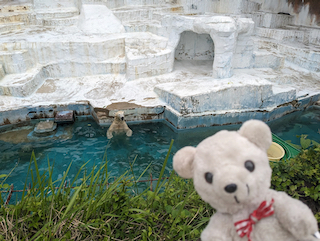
(243, 92)
(45, 127)
(66, 116)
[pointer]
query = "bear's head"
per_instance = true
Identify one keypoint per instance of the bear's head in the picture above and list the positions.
(119, 116)
(231, 168)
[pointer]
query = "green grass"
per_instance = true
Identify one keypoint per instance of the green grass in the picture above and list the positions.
(95, 209)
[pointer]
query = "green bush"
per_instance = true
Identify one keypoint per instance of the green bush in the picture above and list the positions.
(300, 178)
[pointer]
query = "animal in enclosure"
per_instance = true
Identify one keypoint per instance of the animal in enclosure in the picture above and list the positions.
(118, 125)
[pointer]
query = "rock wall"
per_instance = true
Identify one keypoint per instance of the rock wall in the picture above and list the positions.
(194, 46)
(305, 12)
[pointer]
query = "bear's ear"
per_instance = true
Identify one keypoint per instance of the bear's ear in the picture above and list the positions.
(183, 161)
(257, 132)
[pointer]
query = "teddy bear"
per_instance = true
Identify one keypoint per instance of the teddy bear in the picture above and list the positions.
(118, 125)
(231, 172)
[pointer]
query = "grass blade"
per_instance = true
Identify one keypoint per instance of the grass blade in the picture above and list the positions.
(163, 167)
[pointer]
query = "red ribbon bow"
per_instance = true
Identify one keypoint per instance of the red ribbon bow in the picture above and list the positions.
(244, 227)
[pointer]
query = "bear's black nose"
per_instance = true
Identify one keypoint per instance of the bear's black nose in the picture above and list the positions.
(230, 188)
(122, 118)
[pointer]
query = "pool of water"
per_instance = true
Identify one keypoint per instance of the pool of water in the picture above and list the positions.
(291, 126)
(86, 141)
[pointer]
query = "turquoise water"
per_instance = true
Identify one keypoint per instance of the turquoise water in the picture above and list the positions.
(86, 141)
(297, 123)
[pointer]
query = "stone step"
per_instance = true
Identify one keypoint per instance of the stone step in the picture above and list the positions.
(145, 41)
(99, 50)
(127, 13)
(9, 27)
(22, 85)
(152, 26)
(265, 59)
(147, 55)
(142, 64)
(242, 93)
(77, 69)
(305, 56)
(15, 8)
(56, 13)
(14, 17)
(15, 62)
(61, 21)
(292, 33)
(282, 34)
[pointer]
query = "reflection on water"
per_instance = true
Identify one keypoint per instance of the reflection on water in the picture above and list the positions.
(289, 126)
(86, 141)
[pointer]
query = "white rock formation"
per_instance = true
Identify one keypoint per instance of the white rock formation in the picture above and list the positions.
(192, 62)
(98, 19)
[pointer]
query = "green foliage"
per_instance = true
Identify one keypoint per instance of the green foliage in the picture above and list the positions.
(97, 210)
(300, 178)
(304, 142)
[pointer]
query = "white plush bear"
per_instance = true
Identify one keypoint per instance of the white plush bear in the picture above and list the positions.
(231, 172)
(119, 125)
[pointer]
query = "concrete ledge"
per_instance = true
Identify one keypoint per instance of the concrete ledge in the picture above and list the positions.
(25, 114)
(61, 21)
(307, 57)
(8, 27)
(56, 13)
(201, 96)
(14, 17)
(207, 119)
(22, 85)
(15, 62)
(137, 114)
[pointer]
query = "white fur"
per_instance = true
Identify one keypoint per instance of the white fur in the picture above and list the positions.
(224, 155)
(118, 125)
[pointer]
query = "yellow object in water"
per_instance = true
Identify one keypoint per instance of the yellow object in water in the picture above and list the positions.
(275, 152)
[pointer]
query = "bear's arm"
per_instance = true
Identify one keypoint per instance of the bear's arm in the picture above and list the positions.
(220, 228)
(110, 130)
(127, 130)
(295, 216)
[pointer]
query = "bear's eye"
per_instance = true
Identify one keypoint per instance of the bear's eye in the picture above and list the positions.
(249, 165)
(208, 176)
